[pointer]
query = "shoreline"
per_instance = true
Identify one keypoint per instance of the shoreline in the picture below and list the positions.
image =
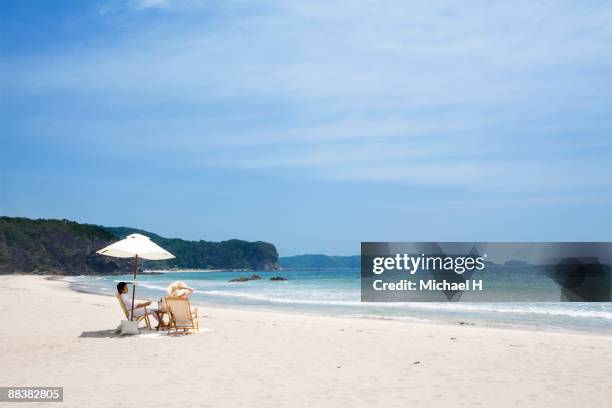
(281, 359)
(440, 321)
(69, 286)
(165, 271)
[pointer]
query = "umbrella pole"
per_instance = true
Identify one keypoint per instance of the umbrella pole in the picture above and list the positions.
(134, 286)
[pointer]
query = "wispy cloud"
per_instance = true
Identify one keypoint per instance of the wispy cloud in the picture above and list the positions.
(500, 96)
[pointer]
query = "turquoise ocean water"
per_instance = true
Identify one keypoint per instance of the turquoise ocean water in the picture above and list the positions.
(336, 292)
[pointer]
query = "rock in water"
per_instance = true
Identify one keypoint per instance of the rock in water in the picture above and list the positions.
(246, 278)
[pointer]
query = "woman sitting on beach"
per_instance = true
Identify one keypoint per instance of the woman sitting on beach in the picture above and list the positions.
(179, 289)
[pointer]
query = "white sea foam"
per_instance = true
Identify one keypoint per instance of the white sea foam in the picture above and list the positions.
(149, 285)
(567, 309)
(342, 298)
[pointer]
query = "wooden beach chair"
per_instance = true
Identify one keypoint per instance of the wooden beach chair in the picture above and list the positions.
(144, 317)
(183, 320)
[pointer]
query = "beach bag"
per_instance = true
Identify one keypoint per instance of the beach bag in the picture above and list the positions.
(129, 327)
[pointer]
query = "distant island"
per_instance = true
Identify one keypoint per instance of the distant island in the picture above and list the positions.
(65, 247)
(316, 261)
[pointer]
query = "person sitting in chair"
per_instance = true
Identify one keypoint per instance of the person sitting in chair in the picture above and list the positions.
(179, 289)
(139, 308)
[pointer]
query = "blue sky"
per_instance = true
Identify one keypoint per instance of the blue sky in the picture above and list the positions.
(313, 125)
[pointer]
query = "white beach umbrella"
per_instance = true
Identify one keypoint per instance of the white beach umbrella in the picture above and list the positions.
(136, 246)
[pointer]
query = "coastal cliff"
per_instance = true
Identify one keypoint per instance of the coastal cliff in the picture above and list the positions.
(231, 254)
(55, 247)
(62, 247)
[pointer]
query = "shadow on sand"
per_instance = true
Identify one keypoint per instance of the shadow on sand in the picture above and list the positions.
(101, 334)
(116, 334)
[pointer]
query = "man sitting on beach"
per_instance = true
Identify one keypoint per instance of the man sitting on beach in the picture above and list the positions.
(139, 308)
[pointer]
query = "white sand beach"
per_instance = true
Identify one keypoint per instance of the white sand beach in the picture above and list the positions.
(58, 337)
